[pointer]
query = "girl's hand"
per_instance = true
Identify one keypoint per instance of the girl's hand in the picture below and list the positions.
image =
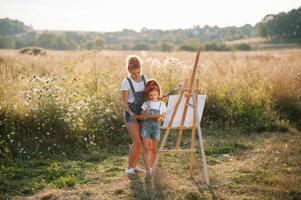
(160, 119)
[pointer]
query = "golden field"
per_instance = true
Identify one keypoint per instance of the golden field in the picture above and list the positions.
(67, 105)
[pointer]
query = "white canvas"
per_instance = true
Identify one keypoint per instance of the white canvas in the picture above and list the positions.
(172, 100)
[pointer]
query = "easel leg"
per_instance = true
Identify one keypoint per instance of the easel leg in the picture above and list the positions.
(200, 139)
(167, 132)
(192, 155)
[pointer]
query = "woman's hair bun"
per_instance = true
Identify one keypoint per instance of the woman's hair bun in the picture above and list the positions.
(133, 62)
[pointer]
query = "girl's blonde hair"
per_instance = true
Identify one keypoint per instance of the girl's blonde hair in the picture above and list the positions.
(133, 62)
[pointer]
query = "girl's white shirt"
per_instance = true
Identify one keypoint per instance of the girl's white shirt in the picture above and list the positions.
(154, 105)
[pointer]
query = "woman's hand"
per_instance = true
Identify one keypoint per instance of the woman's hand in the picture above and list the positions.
(132, 114)
(164, 97)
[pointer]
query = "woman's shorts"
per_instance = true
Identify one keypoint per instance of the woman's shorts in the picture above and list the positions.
(136, 110)
(128, 118)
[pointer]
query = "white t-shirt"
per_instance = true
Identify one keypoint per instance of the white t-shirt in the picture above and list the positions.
(138, 86)
(154, 105)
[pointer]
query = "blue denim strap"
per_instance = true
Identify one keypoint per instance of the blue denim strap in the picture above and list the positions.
(131, 84)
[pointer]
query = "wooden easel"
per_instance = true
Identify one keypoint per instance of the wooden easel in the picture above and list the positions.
(190, 90)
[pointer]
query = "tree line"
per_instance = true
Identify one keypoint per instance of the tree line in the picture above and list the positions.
(281, 26)
(15, 34)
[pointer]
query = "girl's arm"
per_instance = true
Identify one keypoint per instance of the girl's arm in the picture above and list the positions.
(126, 107)
(161, 118)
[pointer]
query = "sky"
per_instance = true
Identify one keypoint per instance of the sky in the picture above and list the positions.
(115, 15)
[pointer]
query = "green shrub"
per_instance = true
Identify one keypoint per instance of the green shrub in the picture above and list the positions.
(241, 47)
(33, 51)
(216, 47)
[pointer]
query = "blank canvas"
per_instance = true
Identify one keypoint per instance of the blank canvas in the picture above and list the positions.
(172, 100)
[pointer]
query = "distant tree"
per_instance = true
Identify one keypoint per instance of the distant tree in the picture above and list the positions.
(7, 42)
(141, 47)
(283, 25)
(216, 47)
(27, 39)
(166, 47)
(11, 27)
(125, 47)
(98, 43)
(190, 45)
(261, 30)
(241, 47)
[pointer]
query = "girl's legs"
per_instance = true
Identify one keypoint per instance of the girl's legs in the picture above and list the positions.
(147, 153)
(135, 149)
(153, 152)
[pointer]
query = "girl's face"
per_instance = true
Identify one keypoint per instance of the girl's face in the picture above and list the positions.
(153, 95)
(136, 73)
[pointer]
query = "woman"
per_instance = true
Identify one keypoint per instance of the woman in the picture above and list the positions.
(132, 95)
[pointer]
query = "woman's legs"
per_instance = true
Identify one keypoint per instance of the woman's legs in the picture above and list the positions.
(147, 153)
(153, 152)
(135, 149)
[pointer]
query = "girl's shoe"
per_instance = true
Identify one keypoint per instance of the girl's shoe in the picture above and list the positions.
(130, 171)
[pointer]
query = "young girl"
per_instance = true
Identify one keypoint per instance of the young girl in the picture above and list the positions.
(150, 130)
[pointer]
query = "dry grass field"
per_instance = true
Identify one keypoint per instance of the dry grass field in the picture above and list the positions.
(62, 133)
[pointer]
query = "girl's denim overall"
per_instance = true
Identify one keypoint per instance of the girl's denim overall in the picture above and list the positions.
(151, 127)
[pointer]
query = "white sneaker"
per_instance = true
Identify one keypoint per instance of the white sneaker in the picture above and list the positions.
(130, 171)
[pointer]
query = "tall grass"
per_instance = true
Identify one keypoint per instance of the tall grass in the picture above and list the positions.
(65, 101)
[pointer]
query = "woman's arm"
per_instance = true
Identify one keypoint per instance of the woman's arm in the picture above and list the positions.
(126, 107)
(143, 112)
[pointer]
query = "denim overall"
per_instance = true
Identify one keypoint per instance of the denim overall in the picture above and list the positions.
(151, 127)
(136, 105)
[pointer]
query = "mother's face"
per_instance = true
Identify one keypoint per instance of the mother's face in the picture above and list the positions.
(135, 73)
